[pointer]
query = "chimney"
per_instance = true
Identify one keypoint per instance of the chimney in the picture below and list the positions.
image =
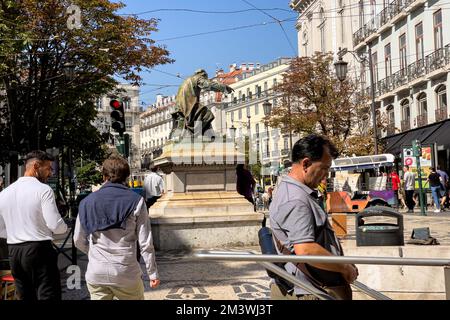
(233, 67)
(219, 72)
(244, 67)
(251, 66)
(258, 65)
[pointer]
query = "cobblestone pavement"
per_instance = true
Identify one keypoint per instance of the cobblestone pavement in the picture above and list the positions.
(184, 278)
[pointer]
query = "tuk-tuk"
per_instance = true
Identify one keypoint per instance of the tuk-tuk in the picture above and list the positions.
(360, 182)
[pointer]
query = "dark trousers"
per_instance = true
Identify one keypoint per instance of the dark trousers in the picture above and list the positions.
(34, 266)
(151, 201)
(409, 195)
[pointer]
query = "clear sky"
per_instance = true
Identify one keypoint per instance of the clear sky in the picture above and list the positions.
(263, 43)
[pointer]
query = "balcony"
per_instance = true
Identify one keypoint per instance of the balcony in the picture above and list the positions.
(405, 125)
(414, 4)
(437, 60)
(416, 70)
(432, 66)
(441, 114)
(421, 120)
(390, 129)
(400, 78)
(395, 11)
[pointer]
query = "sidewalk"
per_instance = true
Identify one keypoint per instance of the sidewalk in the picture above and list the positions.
(182, 277)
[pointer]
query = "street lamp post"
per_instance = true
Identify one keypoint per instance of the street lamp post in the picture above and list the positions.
(341, 74)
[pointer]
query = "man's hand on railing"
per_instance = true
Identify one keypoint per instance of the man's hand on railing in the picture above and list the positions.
(350, 273)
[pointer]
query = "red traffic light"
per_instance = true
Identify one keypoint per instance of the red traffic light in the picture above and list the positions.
(115, 104)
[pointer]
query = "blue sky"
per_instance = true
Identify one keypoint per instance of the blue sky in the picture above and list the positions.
(262, 43)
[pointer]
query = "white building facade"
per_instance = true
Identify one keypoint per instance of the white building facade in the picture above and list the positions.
(155, 127)
(245, 113)
(410, 51)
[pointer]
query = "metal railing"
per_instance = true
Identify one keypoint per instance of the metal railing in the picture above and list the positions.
(441, 114)
(421, 120)
(267, 261)
(405, 125)
(420, 68)
(385, 16)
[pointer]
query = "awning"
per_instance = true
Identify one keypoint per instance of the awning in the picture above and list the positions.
(427, 135)
(441, 136)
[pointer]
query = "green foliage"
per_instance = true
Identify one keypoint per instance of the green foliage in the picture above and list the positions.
(89, 175)
(43, 107)
(313, 100)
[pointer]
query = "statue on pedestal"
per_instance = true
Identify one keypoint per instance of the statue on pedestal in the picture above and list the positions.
(189, 117)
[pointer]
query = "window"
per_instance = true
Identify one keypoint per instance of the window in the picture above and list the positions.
(127, 103)
(258, 91)
(402, 52)
(422, 104)
(361, 13)
(388, 60)
(240, 114)
(374, 66)
(128, 123)
(256, 109)
(437, 27)
(419, 42)
(391, 114)
(99, 103)
(406, 112)
(322, 30)
(341, 20)
(232, 116)
(442, 97)
(248, 111)
(286, 143)
(257, 130)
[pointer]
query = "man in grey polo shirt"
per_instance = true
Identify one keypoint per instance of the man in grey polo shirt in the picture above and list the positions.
(296, 218)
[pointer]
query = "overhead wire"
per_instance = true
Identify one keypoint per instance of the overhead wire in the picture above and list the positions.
(276, 20)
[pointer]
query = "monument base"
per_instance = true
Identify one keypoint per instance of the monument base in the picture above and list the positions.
(201, 208)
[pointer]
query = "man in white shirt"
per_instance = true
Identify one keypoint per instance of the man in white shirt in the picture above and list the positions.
(29, 218)
(154, 187)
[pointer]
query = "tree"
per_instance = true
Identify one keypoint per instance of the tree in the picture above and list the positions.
(88, 175)
(312, 100)
(43, 108)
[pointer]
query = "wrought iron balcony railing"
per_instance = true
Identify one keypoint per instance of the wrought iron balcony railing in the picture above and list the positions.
(421, 120)
(385, 16)
(416, 69)
(406, 124)
(390, 129)
(432, 62)
(441, 114)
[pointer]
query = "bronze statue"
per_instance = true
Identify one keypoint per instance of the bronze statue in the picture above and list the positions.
(187, 105)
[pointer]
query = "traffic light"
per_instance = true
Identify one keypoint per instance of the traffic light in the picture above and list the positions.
(117, 116)
(417, 148)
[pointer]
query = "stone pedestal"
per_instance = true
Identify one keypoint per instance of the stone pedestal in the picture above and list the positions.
(201, 208)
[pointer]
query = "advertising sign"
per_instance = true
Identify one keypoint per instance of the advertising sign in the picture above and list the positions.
(426, 162)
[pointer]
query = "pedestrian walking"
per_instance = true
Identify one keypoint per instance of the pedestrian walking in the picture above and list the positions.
(435, 186)
(109, 222)
(153, 186)
(28, 220)
(444, 186)
(300, 226)
(409, 180)
(395, 182)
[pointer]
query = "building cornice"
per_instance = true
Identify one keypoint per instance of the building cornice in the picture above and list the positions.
(300, 5)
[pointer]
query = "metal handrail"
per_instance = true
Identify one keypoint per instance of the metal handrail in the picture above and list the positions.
(218, 255)
(267, 261)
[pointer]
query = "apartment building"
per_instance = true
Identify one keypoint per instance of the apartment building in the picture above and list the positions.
(245, 112)
(155, 127)
(130, 97)
(410, 52)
